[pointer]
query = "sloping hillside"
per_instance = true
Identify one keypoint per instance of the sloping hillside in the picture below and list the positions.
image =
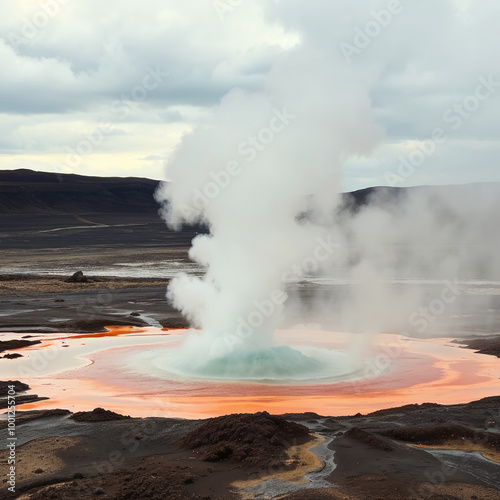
(29, 192)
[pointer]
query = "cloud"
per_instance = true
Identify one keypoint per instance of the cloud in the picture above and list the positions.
(67, 70)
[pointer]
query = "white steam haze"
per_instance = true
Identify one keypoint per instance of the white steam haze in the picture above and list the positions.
(399, 256)
(263, 159)
(321, 117)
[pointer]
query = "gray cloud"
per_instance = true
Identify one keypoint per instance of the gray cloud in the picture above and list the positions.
(85, 63)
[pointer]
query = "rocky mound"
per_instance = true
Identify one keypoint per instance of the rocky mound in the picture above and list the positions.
(256, 439)
(97, 415)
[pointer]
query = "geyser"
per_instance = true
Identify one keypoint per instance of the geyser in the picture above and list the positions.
(277, 364)
(257, 177)
(262, 174)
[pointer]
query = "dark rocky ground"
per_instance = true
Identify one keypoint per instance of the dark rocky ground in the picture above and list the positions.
(164, 458)
(35, 302)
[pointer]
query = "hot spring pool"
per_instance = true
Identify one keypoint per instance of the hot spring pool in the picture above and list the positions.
(136, 371)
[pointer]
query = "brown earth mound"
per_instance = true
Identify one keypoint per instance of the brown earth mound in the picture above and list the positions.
(254, 439)
(97, 415)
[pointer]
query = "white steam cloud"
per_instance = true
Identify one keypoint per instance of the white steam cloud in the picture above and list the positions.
(263, 174)
(249, 174)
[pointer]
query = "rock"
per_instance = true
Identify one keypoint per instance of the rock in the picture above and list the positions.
(98, 491)
(8, 345)
(18, 386)
(78, 475)
(38, 471)
(14, 355)
(78, 277)
(135, 313)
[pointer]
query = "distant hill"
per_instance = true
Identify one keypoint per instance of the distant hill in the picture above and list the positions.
(28, 192)
(25, 192)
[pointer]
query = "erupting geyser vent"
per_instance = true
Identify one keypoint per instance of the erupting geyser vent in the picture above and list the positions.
(277, 364)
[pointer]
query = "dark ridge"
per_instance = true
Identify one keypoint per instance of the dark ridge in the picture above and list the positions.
(381, 194)
(25, 192)
(439, 434)
(28, 192)
(97, 415)
(390, 198)
(403, 409)
(8, 345)
(490, 345)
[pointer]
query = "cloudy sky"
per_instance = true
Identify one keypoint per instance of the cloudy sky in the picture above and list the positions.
(110, 88)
